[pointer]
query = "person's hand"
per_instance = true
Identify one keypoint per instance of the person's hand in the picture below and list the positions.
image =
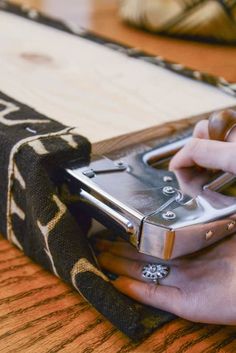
(206, 153)
(200, 288)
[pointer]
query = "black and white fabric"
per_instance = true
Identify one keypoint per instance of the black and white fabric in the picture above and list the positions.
(38, 218)
(210, 20)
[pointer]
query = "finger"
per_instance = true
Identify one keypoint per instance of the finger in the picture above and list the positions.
(133, 269)
(206, 153)
(201, 130)
(124, 249)
(161, 297)
(121, 266)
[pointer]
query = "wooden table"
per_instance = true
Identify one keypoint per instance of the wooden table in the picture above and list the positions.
(38, 313)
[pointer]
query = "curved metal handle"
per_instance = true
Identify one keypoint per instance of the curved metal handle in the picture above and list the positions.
(165, 151)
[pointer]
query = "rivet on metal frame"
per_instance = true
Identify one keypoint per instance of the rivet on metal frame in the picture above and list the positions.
(167, 179)
(209, 234)
(169, 215)
(169, 190)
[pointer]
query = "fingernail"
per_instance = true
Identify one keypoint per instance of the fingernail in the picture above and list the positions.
(112, 276)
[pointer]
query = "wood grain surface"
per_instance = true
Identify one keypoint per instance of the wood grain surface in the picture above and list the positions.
(40, 314)
(101, 16)
(90, 86)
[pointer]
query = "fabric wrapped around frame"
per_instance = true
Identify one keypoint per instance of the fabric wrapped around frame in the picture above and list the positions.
(36, 213)
(208, 20)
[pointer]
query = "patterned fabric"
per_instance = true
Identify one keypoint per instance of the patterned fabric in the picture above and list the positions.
(211, 20)
(38, 219)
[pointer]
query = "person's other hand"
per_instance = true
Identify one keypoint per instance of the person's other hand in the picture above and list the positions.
(200, 288)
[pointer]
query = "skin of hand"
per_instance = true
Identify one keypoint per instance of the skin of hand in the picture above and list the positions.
(200, 287)
(206, 153)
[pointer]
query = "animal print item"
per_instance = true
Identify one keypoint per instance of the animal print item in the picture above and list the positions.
(210, 20)
(36, 212)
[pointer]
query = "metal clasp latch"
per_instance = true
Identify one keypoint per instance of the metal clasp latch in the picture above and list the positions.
(107, 166)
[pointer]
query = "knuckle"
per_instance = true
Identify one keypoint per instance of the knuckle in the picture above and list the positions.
(193, 146)
(151, 291)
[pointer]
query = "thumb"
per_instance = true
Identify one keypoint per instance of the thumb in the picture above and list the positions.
(209, 154)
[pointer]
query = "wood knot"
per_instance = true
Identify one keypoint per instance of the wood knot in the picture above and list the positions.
(36, 58)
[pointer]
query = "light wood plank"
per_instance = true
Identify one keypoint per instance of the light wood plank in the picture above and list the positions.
(101, 16)
(99, 90)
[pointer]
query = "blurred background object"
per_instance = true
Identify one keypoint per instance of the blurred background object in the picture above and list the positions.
(80, 11)
(208, 20)
(31, 3)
